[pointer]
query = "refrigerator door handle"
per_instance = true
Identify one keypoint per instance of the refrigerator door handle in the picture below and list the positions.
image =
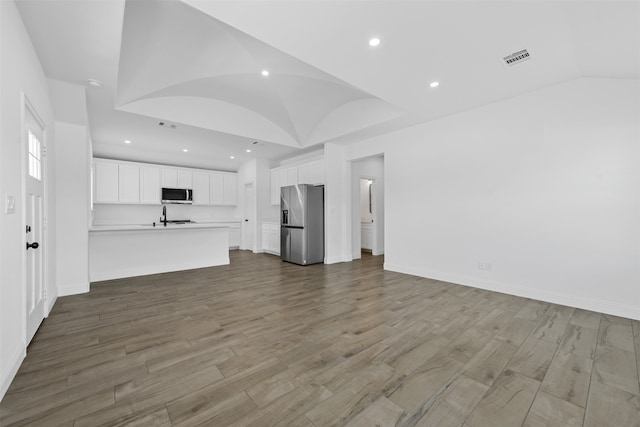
(285, 217)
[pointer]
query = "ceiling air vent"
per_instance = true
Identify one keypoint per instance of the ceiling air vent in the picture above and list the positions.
(167, 125)
(516, 58)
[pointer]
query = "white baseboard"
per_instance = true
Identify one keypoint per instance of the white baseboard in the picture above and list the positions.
(335, 260)
(50, 303)
(592, 304)
(376, 253)
(155, 269)
(73, 289)
(12, 370)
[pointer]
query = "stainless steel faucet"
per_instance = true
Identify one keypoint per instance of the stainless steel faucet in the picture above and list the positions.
(163, 218)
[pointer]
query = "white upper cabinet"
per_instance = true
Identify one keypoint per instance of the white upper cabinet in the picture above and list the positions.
(169, 178)
(306, 173)
(311, 173)
(185, 178)
(105, 182)
(282, 178)
(128, 183)
(150, 185)
(223, 189)
(201, 188)
(230, 196)
(292, 175)
(216, 190)
(177, 178)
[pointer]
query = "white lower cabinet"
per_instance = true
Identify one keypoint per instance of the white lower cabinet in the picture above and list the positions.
(234, 236)
(367, 235)
(271, 238)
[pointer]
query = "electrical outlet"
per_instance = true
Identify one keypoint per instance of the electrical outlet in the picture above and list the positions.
(485, 266)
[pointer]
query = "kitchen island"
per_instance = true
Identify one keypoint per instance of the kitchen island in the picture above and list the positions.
(117, 251)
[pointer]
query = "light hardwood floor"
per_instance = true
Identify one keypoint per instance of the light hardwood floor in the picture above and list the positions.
(261, 342)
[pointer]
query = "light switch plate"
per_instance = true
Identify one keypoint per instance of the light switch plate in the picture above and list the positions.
(9, 204)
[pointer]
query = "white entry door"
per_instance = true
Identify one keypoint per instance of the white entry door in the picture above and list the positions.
(34, 223)
(249, 223)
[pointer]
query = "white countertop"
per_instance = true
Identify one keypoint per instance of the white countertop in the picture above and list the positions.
(159, 226)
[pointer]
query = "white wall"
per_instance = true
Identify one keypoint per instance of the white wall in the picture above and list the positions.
(73, 157)
(20, 72)
(72, 196)
(545, 187)
(337, 205)
(368, 168)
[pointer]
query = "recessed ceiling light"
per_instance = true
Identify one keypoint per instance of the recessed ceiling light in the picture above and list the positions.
(94, 83)
(185, 150)
(434, 84)
(232, 157)
(126, 141)
(374, 42)
(265, 73)
(248, 150)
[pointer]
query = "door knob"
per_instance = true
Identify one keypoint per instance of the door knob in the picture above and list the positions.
(33, 245)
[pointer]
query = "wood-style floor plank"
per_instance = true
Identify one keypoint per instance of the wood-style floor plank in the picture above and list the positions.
(548, 410)
(568, 378)
(506, 403)
(260, 342)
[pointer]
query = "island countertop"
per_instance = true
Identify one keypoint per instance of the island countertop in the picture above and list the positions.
(158, 226)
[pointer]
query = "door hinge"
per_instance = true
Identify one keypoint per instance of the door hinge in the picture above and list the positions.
(44, 223)
(44, 150)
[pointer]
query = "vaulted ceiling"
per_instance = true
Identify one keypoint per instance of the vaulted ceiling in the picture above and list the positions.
(198, 65)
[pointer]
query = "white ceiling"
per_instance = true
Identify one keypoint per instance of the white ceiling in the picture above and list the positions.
(197, 64)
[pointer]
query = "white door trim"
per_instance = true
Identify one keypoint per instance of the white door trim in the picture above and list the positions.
(28, 106)
(252, 217)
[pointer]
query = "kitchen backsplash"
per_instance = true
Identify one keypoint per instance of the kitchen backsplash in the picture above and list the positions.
(146, 214)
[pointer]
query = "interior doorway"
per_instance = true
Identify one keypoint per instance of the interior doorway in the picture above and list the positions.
(367, 207)
(34, 219)
(249, 218)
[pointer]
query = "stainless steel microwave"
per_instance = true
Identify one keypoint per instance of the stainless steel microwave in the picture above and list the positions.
(177, 195)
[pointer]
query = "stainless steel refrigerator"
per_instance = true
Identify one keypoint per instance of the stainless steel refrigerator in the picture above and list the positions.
(302, 224)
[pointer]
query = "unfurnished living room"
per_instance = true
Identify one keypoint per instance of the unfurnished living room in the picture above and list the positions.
(319, 213)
